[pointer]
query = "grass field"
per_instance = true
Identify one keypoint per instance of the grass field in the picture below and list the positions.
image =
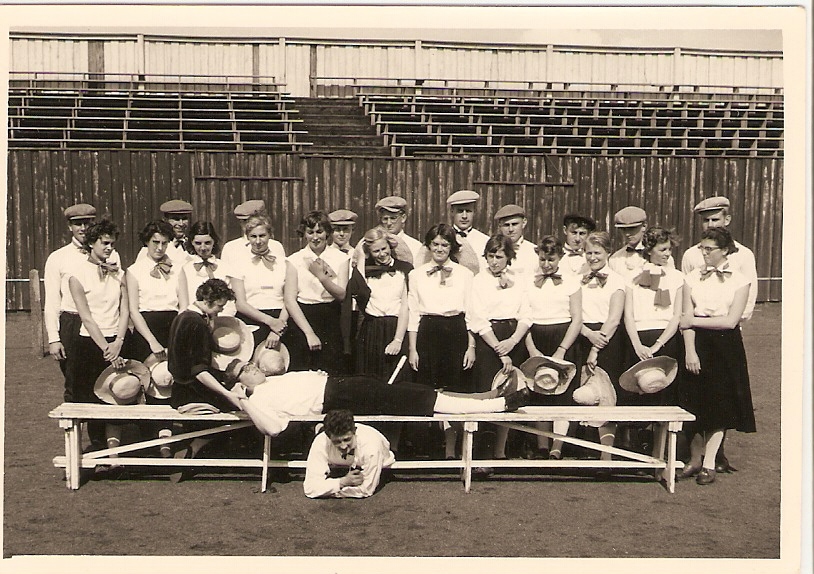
(531, 515)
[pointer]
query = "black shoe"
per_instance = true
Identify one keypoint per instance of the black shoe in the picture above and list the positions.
(722, 464)
(516, 400)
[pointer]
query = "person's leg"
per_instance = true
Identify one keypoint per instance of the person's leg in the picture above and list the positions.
(607, 435)
(446, 404)
(562, 428)
(714, 440)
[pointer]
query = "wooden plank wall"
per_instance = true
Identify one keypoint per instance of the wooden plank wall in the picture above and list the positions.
(130, 186)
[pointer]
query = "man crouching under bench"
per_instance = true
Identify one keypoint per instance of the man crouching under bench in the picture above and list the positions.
(271, 400)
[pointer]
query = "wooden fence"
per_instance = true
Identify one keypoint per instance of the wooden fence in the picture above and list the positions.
(130, 186)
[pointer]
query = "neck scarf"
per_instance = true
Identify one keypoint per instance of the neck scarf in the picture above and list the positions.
(265, 257)
(601, 278)
(722, 273)
(210, 266)
(503, 279)
(650, 280)
(180, 242)
(445, 272)
(162, 268)
(540, 278)
(104, 268)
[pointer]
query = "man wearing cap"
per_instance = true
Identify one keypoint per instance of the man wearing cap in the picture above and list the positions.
(575, 228)
(511, 222)
(629, 261)
(392, 213)
(232, 250)
(176, 212)
(714, 212)
(343, 222)
(62, 322)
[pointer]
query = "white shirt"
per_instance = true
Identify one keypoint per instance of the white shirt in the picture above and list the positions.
(371, 453)
(629, 264)
(155, 294)
(263, 286)
(298, 393)
(596, 300)
(233, 250)
(309, 290)
(178, 255)
(713, 297)
(550, 304)
(645, 312)
(743, 260)
(428, 297)
(386, 292)
(58, 297)
(526, 261)
(196, 278)
(573, 264)
(103, 295)
(489, 301)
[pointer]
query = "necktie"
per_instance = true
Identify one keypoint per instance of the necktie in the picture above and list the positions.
(445, 273)
(601, 278)
(266, 258)
(211, 266)
(540, 279)
(162, 268)
(573, 252)
(344, 250)
(374, 271)
(630, 249)
(503, 279)
(721, 273)
(105, 268)
(651, 281)
(461, 233)
(180, 243)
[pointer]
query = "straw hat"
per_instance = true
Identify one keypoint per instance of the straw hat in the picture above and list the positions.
(267, 359)
(548, 376)
(233, 340)
(595, 389)
(516, 380)
(122, 386)
(649, 376)
(160, 386)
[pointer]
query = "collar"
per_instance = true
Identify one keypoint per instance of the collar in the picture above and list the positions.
(77, 244)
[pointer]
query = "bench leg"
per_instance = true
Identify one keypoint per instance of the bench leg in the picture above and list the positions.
(466, 454)
(659, 445)
(671, 461)
(74, 456)
(266, 454)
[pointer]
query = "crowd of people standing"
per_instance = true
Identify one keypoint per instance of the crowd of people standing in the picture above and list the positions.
(454, 309)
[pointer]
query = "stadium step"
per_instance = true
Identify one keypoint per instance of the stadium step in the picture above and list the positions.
(338, 126)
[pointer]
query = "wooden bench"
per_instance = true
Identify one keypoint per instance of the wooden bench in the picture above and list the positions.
(668, 422)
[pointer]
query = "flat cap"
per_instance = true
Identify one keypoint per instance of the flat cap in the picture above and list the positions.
(630, 216)
(392, 203)
(342, 217)
(248, 208)
(80, 211)
(176, 206)
(510, 210)
(463, 196)
(712, 204)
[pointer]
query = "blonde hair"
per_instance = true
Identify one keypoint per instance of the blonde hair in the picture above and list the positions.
(373, 235)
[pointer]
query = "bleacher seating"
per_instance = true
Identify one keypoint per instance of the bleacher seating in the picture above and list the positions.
(659, 123)
(138, 117)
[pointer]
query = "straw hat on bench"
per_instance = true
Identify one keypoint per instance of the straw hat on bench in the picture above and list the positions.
(548, 376)
(123, 386)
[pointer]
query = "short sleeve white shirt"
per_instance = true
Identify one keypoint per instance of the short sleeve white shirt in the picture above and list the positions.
(195, 278)
(155, 293)
(310, 290)
(551, 304)
(264, 286)
(645, 312)
(712, 297)
(596, 299)
(490, 301)
(103, 295)
(386, 292)
(428, 297)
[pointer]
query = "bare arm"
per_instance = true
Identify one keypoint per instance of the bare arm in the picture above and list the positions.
(571, 334)
(290, 292)
(183, 291)
(731, 319)
(138, 320)
(394, 347)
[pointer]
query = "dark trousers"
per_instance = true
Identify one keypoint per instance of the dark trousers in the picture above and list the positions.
(69, 325)
(84, 369)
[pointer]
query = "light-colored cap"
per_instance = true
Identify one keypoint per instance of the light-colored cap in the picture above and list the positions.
(463, 196)
(80, 211)
(176, 206)
(392, 203)
(630, 216)
(248, 208)
(342, 217)
(712, 204)
(510, 210)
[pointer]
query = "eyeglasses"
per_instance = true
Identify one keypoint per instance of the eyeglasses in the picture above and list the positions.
(707, 250)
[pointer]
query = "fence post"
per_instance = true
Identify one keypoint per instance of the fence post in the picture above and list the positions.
(38, 336)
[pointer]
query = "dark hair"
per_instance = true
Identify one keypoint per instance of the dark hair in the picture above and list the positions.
(580, 221)
(656, 235)
(213, 290)
(313, 219)
(158, 226)
(101, 227)
(500, 242)
(720, 235)
(601, 238)
(447, 232)
(338, 422)
(549, 245)
(203, 228)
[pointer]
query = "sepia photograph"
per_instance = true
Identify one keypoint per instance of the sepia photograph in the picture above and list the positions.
(339, 288)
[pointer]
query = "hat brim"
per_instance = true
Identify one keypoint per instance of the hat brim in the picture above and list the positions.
(667, 364)
(516, 374)
(245, 349)
(566, 369)
(621, 225)
(101, 388)
(262, 347)
(152, 389)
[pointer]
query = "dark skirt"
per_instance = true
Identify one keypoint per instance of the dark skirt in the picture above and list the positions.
(487, 362)
(611, 359)
(375, 334)
(324, 320)
(547, 338)
(719, 396)
(441, 343)
(262, 330)
(673, 348)
(159, 323)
